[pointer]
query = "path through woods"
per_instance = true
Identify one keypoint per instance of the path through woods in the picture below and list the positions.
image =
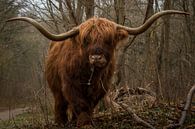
(9, 114)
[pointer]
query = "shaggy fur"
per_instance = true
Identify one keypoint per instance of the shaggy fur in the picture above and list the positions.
(68, 69)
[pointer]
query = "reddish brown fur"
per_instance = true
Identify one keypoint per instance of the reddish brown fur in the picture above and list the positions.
(68, 66)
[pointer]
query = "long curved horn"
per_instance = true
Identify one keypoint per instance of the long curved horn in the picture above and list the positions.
(149, 22)
(45, 32)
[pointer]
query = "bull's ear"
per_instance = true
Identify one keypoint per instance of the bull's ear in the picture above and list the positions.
(121, 38)
(121, 35)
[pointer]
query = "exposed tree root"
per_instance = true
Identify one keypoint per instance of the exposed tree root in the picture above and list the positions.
(137, 118)
(184, 112)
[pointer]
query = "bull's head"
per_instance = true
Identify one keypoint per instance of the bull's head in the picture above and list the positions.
(98, 36)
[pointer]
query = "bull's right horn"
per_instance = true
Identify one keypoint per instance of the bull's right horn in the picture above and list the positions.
(45, 32)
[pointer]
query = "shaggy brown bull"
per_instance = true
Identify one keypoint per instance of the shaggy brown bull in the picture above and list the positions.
(81, 62)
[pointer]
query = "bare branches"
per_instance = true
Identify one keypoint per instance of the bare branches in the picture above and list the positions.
(71, 12)
(119, 6)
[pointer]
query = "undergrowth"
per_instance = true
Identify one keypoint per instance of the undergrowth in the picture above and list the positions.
(157, 116)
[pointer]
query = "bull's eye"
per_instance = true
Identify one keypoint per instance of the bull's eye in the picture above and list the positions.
(108, 43)
(86, 42)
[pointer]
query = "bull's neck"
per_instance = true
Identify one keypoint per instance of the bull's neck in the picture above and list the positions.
(90, 74)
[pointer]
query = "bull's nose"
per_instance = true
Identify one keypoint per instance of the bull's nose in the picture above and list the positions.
(97, 60)
(96, 57)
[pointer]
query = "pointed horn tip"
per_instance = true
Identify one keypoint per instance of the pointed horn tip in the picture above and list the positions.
(12, 19)
(185, 13)
(180, 12)
(9, 20)
(18, 18)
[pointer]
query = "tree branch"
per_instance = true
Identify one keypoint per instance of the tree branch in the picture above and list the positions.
(137, 118)
(184, 112)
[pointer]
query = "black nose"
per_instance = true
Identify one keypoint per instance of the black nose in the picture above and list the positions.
(98, 51)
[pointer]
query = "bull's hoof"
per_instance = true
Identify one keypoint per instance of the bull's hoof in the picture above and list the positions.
(86, 127)
(84, 120)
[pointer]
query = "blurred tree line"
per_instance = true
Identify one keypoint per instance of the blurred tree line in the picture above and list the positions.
(161, 60)
(21, 51)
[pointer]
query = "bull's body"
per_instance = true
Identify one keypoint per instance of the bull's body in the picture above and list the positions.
(69, 70)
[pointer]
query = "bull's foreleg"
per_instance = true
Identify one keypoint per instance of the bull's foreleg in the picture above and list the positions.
(60, 109)
(84, 118)
(82, 110)
(79, 105)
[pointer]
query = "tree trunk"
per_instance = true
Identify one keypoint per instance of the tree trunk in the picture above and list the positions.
(89, 8)
(119, 6)
(164, 60)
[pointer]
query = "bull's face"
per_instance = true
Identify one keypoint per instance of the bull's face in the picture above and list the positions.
(98, 38)
(99, 50)
(100, 53)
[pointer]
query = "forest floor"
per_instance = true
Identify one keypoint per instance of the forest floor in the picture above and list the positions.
(159, 116)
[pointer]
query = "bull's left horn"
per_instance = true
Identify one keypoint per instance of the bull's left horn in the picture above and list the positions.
(149, 22)
(45, 32)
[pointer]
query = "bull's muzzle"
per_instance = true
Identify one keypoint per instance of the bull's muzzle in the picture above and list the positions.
(97, 60)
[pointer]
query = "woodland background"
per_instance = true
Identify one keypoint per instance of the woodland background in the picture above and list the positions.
(161, 60)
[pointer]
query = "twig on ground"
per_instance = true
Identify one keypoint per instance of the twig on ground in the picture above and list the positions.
(184, 112)
(137, 118)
